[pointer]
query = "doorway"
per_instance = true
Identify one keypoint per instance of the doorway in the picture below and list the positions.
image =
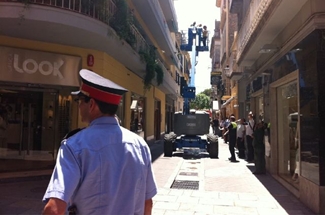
(29, 128)
(157, 119)
(288, 131)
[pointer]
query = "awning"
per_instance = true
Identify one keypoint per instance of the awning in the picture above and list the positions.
(223, 98)
(227, 102)
(134, 105)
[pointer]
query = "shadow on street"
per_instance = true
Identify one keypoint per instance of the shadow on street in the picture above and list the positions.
(280, 193)
(157, 149)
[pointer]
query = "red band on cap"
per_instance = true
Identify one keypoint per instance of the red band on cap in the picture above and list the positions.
(100, 95)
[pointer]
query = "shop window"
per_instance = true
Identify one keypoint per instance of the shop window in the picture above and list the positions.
(288, 132)
(137, 108)
(120, 111)
(260, 109)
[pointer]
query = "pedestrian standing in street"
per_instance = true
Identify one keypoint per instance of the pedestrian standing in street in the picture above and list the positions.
(221, 127)
(232, 134)
(104, 168)
(226, 133)
(259, 148)
(249, 137)
(215, 124)
(241, 130)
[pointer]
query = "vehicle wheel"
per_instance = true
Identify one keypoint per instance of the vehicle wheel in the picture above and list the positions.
(213, 146)
(168, 145)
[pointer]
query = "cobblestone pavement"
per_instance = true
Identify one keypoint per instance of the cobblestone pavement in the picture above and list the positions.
(223, 188)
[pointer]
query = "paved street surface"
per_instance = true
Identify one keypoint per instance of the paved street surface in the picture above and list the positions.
(221, 187)
(224, 188)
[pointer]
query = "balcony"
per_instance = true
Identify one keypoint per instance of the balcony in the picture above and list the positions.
(263, 22)
(72, 23)
(235, 6)
(168, 9)
(169, 85)
(154, 18)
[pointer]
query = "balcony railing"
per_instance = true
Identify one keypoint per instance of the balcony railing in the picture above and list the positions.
(254, 14)
(140, 42)
(162, 21)
(168, 77)
(102, 10)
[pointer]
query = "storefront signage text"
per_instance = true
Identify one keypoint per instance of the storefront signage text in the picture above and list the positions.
(30, 66)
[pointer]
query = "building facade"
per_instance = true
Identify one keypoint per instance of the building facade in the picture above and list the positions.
(228, 92)
(279, 61)
(44, 44)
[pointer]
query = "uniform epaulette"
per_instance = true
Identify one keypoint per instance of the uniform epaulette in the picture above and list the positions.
(71, 133)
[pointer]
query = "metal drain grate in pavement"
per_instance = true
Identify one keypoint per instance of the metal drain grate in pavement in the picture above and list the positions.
(189, 173)
(185, 185)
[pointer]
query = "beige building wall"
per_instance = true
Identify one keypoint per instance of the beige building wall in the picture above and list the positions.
(106, 66)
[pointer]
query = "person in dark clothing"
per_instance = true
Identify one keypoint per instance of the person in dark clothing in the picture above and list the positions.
(204, 35)
(259, 148)
(232, 134)
(241, 130)
(225, 131)
(249, 137)
(215, 125)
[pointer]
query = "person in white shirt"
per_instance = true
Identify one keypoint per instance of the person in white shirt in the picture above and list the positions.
(249, 137)
(241, 130)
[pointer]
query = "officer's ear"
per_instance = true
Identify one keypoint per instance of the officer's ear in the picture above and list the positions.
(92, 105)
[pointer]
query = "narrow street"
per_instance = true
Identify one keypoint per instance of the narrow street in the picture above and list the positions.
(216, 187)
(223, 188)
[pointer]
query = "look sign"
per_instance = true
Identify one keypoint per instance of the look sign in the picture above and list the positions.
(30, 66)
(39, 67)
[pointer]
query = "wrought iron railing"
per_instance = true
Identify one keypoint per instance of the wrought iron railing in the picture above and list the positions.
(162, 21)
(168, 77)
(101, 10)
(140, 42)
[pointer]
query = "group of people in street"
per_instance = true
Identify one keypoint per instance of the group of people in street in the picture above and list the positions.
(245, 135)
(106, 169)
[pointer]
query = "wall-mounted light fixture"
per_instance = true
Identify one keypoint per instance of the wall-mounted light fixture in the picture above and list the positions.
(268, 48)
(226, 70)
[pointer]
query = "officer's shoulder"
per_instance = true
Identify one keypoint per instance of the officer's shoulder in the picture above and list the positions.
(71, 133)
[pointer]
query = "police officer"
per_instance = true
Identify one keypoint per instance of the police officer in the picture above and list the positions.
(104, 168)
(232, 133)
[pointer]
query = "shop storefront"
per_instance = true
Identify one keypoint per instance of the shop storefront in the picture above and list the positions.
(288, 133)
(169, 116)
(138, 113)
(291, 103)
(35, 106)
(120, 112)
(157, 120)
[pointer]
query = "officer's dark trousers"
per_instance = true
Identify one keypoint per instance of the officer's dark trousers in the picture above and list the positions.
(250, 149)
(232, 143)
(241, 147)
(260, 159)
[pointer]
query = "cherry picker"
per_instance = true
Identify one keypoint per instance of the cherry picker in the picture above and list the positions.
(191, 129)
